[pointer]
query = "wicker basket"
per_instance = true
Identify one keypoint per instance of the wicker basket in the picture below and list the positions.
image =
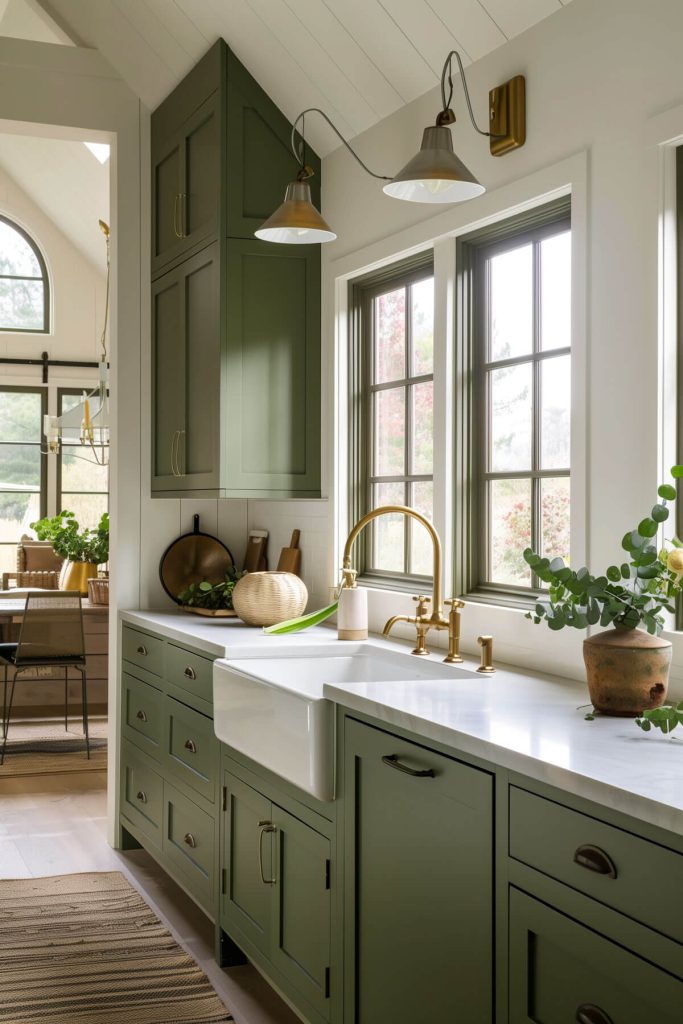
(264, 598)
(98, 591)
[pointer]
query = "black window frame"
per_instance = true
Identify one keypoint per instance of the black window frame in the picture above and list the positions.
(61, 392)
(33, 390)
(45, 278)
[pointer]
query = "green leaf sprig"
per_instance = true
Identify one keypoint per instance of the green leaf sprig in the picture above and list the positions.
(664, 718)
(212, 595)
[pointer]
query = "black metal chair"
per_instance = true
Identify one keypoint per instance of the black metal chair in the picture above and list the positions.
(51, 636)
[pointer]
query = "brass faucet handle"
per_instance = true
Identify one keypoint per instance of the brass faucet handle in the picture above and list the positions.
(455, 602)
(486, 644)
(422, 605)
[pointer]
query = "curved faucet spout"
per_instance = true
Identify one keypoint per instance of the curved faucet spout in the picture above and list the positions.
(389, 625)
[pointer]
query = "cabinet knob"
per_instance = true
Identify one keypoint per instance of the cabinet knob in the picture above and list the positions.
(190, 840)
(190, 745)
(190, 672)
(594, 859)
(142, 716)
(392, 761)
(142, 650)
(265, 826)
(589, 1014)
(142, 796)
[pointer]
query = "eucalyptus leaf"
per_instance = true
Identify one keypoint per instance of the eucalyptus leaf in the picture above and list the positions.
(667, 492)
(647, 527)
(660, 513)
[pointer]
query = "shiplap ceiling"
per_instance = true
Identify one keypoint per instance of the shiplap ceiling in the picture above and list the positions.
(359, 60)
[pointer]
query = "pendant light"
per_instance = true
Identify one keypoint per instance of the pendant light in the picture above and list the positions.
(434, 175)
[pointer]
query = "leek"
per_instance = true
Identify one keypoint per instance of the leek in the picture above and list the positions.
(302, 622)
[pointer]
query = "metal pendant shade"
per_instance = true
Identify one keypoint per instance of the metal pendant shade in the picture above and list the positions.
(435, 174)
(296, 221)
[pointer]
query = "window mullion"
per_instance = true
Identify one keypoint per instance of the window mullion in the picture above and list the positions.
(408, 425)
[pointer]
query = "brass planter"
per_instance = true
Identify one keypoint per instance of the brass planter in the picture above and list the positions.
(627, 671)
(75, 576)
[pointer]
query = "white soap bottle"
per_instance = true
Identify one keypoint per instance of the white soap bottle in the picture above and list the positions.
(352, 613)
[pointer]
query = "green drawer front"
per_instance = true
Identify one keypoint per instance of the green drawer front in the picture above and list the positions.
(143, 650)
(189, 844)
(191, 749)
(548, 836)
(562, 972)
(191, 671)
(141, 793)
(142, 713)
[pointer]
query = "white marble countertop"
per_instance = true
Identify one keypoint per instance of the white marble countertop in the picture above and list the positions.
(518, 719)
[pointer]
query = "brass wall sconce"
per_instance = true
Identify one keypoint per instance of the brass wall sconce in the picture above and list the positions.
(434, 175)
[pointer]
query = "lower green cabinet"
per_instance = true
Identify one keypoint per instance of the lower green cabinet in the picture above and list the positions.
(246, 903)
(561, 971)
(418, 883)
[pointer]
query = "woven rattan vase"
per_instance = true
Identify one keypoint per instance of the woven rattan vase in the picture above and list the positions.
(264, 598)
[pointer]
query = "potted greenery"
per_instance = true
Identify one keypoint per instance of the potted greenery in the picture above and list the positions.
(214, 599)
(83, 549)
(627, 667)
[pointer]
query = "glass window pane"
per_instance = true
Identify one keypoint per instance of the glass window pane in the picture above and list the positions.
(390, 415)
(555, 518)
(16, 255)
(8, 558)
(388, 537)
(422, 396)
(19, 464)
(390, 336)
(421, 550)
(510, 410)
(20, 416)
(511, 283)
(21, 305)
(510, 519)
(79, 473)
(555, 412)
(17, 511)
(88, 508)
(422, 325)
(556, 284)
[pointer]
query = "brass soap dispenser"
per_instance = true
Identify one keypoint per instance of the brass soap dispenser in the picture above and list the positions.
(352, 613)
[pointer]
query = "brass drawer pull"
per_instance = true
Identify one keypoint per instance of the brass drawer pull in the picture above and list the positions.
(265, 826)
(142, 796)
(190, 840)
(393, 762)
(594, 859)
(190, 672)
(142, 650)
(142, 716)
(191, 746)
(589, 1014)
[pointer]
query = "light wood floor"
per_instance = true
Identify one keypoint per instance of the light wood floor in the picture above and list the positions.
(54, 825)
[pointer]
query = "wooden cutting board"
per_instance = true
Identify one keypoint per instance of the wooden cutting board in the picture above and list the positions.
(290, 558)
(255, 557)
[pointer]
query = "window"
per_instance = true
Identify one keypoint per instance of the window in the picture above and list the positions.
(24, 288)
(82, 485)
(394, 359)
(22, 467)
(522, 401)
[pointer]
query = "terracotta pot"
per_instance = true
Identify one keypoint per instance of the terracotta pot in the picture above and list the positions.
(627, 671)
(264, 598)
(75, 576)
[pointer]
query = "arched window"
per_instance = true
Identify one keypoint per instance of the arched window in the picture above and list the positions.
(24, 287)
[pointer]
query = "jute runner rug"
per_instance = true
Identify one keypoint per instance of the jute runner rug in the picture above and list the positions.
(87, 948)
(43, 747)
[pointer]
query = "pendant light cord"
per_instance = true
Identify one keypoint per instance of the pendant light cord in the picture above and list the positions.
(299, 153)
(448, 70)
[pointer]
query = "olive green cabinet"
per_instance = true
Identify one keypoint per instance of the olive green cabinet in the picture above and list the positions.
(276, 902)
(418, 883)
(235, 322)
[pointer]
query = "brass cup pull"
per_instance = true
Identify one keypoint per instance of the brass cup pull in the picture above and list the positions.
(191, 746)
(190, 840)
(142, 796)
(392, 761)
(594, 859)
(142, 650)
(142, 716)
(190, 672)
(265, 826)
(589, 1014)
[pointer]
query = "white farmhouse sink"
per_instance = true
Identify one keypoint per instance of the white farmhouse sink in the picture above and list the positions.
(272, 708)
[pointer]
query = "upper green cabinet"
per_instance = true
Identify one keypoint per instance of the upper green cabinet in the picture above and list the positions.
(235, 321)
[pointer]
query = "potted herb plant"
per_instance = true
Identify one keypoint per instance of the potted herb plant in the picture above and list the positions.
(83, 549)
(627, 665)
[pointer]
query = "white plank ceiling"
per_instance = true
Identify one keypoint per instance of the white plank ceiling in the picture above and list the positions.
(359, 60)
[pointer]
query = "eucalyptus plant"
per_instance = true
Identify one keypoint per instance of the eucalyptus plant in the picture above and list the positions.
(638, 592)
(212, 595)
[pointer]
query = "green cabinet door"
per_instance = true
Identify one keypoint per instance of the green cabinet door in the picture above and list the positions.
(186, 365)
(202, 185)
(247, 863)
(561, 971)
(418, 867)
(273, 358)
(301, 908)
(167, 187)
